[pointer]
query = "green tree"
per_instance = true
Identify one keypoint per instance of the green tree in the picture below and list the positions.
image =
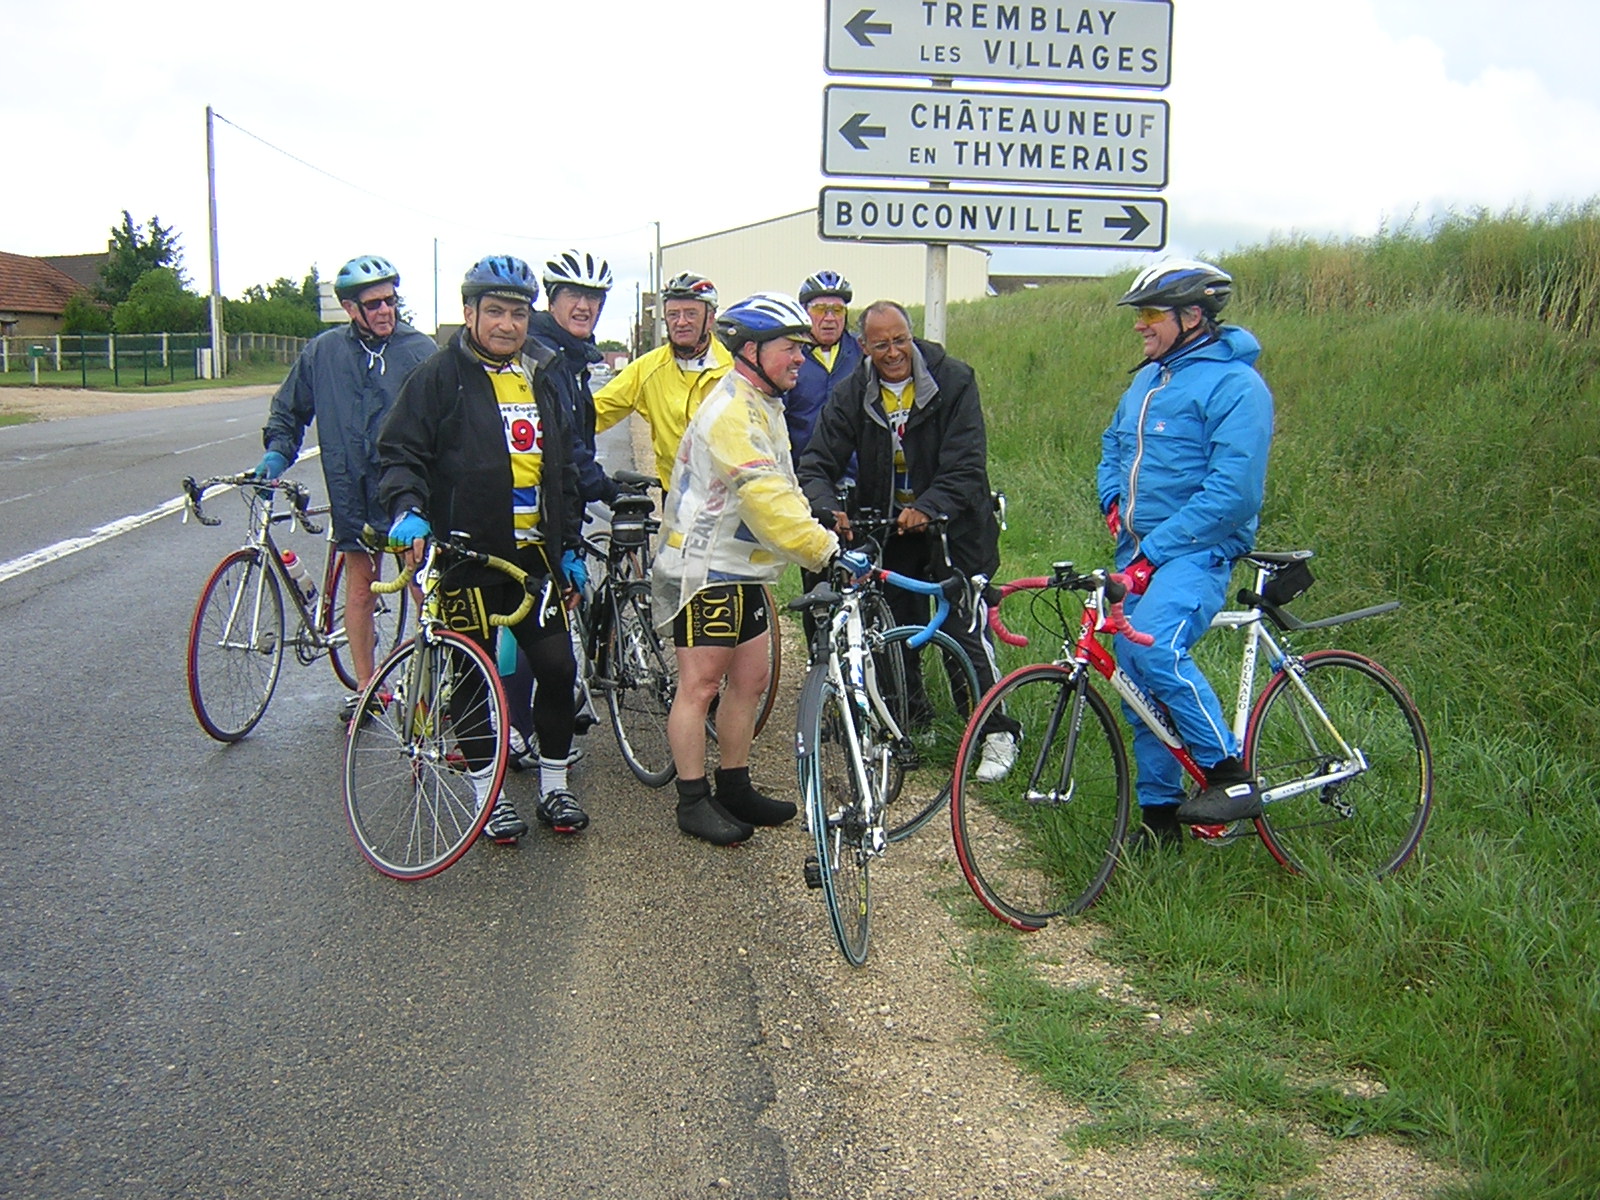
(135, 250)
(611, 344)
(83, 315)
(159, 303)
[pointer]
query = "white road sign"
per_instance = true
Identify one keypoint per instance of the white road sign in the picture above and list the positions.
(991, 218)
(1121, 43)
(994, 137)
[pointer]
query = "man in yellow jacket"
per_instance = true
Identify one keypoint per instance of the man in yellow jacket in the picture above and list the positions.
(666, 385)
(733, 517)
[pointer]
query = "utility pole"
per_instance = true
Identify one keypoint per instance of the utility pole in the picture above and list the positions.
(219, 353)
(661, 316)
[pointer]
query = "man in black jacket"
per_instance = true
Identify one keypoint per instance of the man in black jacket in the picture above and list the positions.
(911, 414)
(471, 446)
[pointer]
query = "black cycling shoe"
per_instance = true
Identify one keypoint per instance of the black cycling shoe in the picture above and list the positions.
(1158, 828)
(559, 810)
(505, 825)
(702, 818)
(739, 799)
(1230, 794)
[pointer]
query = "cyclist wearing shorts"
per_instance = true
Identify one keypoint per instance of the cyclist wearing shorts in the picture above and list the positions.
(733, 518)
(472, 446)
(347, 380)
(1183, 469)
(667, 384)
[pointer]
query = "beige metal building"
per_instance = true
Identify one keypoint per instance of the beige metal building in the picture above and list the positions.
(777, 255)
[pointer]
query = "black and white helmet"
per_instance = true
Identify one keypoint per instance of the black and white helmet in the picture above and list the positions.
(1179, 283)
(576, 268)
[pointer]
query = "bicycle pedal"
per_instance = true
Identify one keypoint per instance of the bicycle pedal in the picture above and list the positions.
(813, 872)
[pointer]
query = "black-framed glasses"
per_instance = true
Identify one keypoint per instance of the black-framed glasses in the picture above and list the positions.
(392, 300)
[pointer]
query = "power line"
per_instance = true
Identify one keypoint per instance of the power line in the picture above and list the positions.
(388, 198)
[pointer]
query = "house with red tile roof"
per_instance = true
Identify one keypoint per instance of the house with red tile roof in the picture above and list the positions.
(33, 295)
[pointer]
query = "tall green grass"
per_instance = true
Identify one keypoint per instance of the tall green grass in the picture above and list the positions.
(1438, 441)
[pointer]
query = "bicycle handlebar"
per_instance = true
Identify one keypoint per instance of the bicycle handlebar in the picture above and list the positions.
(455, 549)
(1113, 587)
(298, 494)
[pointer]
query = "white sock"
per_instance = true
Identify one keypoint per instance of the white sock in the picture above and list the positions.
(552, 775)
(481, 782)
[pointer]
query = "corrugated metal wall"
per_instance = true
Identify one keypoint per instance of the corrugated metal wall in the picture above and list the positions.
(777, 255)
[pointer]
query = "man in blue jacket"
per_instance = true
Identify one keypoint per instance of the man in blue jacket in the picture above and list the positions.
(826, 298)
(1183, 469)
(347, 379)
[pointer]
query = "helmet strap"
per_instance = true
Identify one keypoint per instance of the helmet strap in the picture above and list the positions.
(755, 365)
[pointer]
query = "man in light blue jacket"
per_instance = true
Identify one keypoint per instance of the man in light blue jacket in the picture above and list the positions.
(1183, 469)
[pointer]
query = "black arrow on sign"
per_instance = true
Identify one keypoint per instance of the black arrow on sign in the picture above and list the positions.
(862, 26)
(1135, 222)
(854, 131)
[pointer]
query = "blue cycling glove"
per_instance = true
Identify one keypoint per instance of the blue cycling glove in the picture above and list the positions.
(407, 528)
(271, 466)
(575, 569)
(855, 562)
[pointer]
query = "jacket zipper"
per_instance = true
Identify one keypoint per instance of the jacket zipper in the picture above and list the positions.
(1138, 458)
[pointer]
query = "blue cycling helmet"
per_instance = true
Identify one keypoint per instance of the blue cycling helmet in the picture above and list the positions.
(825, 283)
(762, 317)
(1180, 283)
(357, 275)
(500, 275)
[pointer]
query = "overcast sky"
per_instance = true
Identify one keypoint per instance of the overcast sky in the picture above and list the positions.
(586, 123)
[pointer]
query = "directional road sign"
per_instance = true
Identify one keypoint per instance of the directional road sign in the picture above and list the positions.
(991, 218)
(994, 137)
(1121, 43)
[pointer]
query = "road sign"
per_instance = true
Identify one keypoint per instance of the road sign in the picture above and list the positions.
(1121, 43)
(991, 218)
(994, 137)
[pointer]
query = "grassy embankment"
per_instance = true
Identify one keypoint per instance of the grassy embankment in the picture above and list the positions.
(1438, 440)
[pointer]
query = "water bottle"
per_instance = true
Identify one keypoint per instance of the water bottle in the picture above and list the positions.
(301, 576)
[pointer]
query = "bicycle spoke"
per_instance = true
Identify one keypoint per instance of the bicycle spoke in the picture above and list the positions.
(1367, 815)
(235, 646)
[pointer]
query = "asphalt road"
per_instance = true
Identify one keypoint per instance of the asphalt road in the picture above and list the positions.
(205, 991)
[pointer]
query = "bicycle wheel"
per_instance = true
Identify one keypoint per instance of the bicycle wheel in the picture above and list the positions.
(432, 710)
(1043, 841)
(1369, 823)
(235, 645)
(388, 618)
(641, 675)
(935, 690)
(840, 837)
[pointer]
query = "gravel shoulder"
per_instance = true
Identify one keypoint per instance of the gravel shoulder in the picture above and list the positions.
(57, 404)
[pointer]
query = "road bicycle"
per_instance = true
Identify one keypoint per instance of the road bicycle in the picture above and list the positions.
(434, 707)
(873, 769)
(237, 635)
(1338, 746)
(628, 660)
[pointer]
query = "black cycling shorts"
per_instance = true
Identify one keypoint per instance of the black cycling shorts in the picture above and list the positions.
(721, 614)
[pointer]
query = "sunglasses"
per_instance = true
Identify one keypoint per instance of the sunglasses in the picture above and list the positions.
(377, 302)
(826, 310)
(1151, 315)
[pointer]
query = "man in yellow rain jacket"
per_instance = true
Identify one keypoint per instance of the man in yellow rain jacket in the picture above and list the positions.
(666, 385)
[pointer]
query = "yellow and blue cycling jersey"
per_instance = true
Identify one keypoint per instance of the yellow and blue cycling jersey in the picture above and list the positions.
(519, 414)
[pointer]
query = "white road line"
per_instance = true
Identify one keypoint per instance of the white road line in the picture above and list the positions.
(50, 554)
(104, 533)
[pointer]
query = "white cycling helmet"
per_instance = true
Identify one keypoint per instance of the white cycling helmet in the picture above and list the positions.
(1179, 283)
(576, 268)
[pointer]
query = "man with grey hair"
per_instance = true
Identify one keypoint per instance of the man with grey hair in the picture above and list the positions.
(910, 413)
